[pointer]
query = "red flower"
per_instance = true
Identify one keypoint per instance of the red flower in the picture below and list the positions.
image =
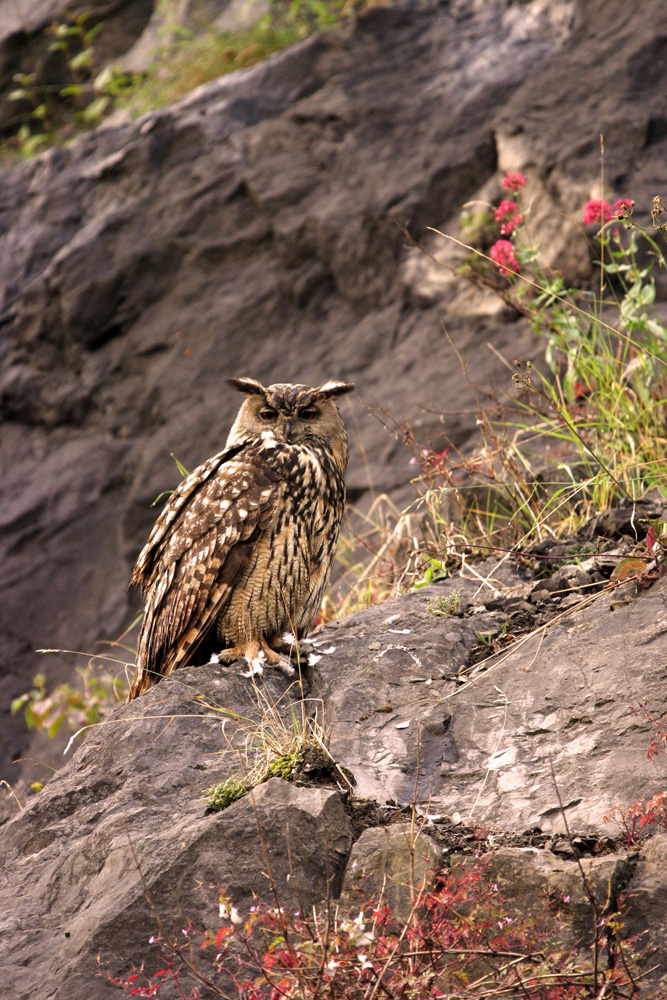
(502, 253)
(507, 214)
(514, 182)
(619, 205)
(596, 211)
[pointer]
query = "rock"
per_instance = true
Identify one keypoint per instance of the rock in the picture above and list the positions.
(646, 902)
(389, 864)
(133, 796)
(571, 577)
(486, 747)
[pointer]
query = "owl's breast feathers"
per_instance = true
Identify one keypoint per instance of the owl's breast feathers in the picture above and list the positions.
(201, 544)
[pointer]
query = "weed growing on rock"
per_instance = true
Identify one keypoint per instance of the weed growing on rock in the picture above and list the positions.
(444, 606)
(48, 112)
(218, 797)
(51, 113)
(584, 435)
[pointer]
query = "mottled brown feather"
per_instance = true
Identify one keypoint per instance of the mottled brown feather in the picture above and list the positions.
(242, 550)
(208, 544)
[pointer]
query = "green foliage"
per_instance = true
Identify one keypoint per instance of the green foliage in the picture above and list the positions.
(220, 796)
(55, 109)
(435, 570)
(49, 114)
(66, 705)
(190, 59)
(285, 767)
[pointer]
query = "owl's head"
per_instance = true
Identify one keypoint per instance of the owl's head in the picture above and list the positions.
(293, 414)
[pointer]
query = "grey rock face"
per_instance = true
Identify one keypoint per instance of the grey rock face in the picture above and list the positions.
(136, 799)
(253, 229)
(250, 230)
(389, 864)
(72, 887)
(485, 747)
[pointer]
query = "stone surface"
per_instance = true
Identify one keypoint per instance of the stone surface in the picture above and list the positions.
(389, 864)
(392, 691)
(251, 229)
(72, 888)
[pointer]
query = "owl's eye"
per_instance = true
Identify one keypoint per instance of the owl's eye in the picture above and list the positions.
(268, 414)
(308, 413)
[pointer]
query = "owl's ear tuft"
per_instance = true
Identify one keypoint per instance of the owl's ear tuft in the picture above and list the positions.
(333, 388)
(250, 386)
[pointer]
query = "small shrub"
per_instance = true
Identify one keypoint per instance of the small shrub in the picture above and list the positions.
(75, 707)
(459, 940)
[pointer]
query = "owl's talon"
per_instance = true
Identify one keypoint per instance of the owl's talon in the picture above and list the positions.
(255, 666)
(286, 667)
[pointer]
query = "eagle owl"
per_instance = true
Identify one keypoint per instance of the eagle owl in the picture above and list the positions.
(241, 552)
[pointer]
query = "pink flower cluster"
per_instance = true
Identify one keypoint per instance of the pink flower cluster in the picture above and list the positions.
(502, 253)
(509, 217)
(514, 182)
(507, 214)
(601, 211)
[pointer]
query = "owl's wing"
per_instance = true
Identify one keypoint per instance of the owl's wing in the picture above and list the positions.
(199, 546)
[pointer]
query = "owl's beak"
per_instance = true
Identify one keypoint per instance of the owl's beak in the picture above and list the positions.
(287, 431)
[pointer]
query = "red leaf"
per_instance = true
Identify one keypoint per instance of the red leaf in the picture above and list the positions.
(223, 933)
(627, 568)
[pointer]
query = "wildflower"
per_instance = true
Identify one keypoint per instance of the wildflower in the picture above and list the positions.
(596, 211)
(507, 214)
(514, 182)
(620, 205)
(502, 254)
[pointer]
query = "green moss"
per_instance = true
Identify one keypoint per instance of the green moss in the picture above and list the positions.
(285, 767)
(218, 797)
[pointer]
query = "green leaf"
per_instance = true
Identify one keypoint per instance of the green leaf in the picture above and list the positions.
(94, 111)
(90, 36)
(18, 703)
(73, 90)
(58, 47)
(181, 468)
(55, 726)
(34, 143)
(82, 59)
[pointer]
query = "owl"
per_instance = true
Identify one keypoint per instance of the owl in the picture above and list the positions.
(241, 552)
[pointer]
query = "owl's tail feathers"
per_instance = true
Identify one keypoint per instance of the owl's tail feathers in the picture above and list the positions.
(141, 681)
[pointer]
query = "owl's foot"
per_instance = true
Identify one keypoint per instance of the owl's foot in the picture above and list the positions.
(257, 663)
(257, 655)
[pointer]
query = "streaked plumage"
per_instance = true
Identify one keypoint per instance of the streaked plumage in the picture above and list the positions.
(241, 552)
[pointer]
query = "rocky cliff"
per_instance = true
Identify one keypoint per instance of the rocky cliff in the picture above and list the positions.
(254, 228)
